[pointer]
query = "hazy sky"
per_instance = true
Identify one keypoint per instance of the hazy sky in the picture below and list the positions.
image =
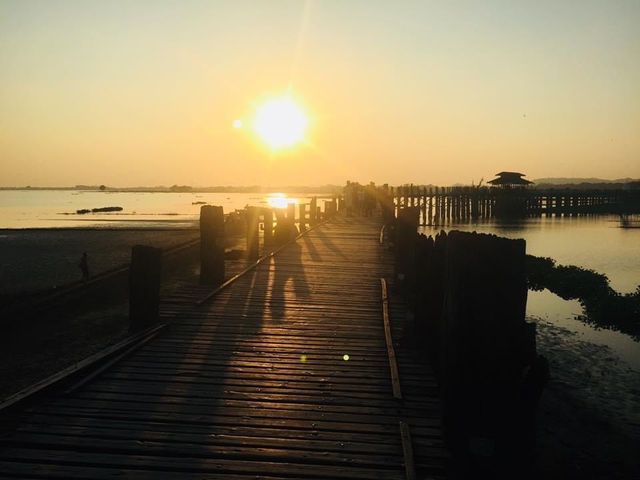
(145, 93)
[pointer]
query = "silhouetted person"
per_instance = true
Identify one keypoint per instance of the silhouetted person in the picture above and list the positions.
(84, 267)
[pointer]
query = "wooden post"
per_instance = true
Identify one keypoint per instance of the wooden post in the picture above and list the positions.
(144, 286)
(291, 212)
(313, 216)
(267, 214)
(329, 208)
(302, 215)
(211, 245)
(253, 238)
(487, 346)
(406, 232)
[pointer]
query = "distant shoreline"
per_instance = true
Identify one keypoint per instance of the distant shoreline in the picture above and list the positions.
(322, 190)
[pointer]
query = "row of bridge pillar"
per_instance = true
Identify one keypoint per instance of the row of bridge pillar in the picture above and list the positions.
(146, 261)
(468, 295)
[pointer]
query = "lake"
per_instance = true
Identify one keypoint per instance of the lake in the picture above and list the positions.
(57, 208)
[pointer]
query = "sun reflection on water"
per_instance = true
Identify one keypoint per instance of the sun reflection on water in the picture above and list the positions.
(280, 200)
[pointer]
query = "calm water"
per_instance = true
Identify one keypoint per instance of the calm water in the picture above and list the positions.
(56, 209)
(594, 242)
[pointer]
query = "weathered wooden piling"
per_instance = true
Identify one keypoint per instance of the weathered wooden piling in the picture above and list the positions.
(145, 275)
(488, 350)
(291, 212)
(406, 227)
(267, 214)
(302, 215)
(253, 235)
(329, 208)
(313, 216)
(211, 245)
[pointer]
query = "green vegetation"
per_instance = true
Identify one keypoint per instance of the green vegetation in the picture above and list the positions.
(603, 306)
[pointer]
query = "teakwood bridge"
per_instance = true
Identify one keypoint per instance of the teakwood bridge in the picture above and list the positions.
(296, 367)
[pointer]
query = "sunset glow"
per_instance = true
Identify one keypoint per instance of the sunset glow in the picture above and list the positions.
(280, 122)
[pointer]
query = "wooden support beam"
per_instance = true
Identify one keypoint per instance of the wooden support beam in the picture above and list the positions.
(267, 214)
(253, 245)
(211, 245)
(145, 275)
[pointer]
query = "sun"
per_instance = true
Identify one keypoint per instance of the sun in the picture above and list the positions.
(280, 122)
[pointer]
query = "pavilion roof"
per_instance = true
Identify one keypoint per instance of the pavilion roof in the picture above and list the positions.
(509, 178)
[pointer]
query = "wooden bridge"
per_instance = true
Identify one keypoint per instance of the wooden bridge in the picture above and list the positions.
(444, 205)
(299, 369)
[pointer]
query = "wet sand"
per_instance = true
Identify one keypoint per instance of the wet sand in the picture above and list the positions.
(36, 259)
(589, 418)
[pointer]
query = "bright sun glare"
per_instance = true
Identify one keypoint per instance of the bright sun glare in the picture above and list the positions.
(279, 200)
(280, 122)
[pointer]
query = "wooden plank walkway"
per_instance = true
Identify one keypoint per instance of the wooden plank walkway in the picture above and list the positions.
(284, 374)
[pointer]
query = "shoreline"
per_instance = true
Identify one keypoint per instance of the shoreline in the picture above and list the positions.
(589, 413)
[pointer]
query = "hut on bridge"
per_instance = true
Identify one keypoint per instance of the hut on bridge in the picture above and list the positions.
(510, 180)
(510, 194)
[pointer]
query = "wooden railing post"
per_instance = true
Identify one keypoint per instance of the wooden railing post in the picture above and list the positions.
(211, 245)
(144, 287)
(406, 232)
(291, 212)
(329, 208)
(302, 214)
(313, 216)
(253, 246)
(267, 214)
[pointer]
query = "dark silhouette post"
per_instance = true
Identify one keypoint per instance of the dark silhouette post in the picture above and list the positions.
(291, 212)
(406, 232)
(144, 286)
(313, 217)
(491, 374)
(329, 208)
(302, 213)
(267, 214)
(211, 245)
(253, 247)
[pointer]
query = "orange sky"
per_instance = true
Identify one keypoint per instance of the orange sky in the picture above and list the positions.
(145, 93)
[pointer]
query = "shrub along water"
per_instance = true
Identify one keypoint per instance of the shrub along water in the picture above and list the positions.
(603, 306)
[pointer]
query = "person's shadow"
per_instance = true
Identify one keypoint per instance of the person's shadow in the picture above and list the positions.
(287, 264)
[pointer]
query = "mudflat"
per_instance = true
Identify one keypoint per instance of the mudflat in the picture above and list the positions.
(39, 259)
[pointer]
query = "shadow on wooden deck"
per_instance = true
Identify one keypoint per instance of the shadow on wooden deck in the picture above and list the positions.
(282, 375)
